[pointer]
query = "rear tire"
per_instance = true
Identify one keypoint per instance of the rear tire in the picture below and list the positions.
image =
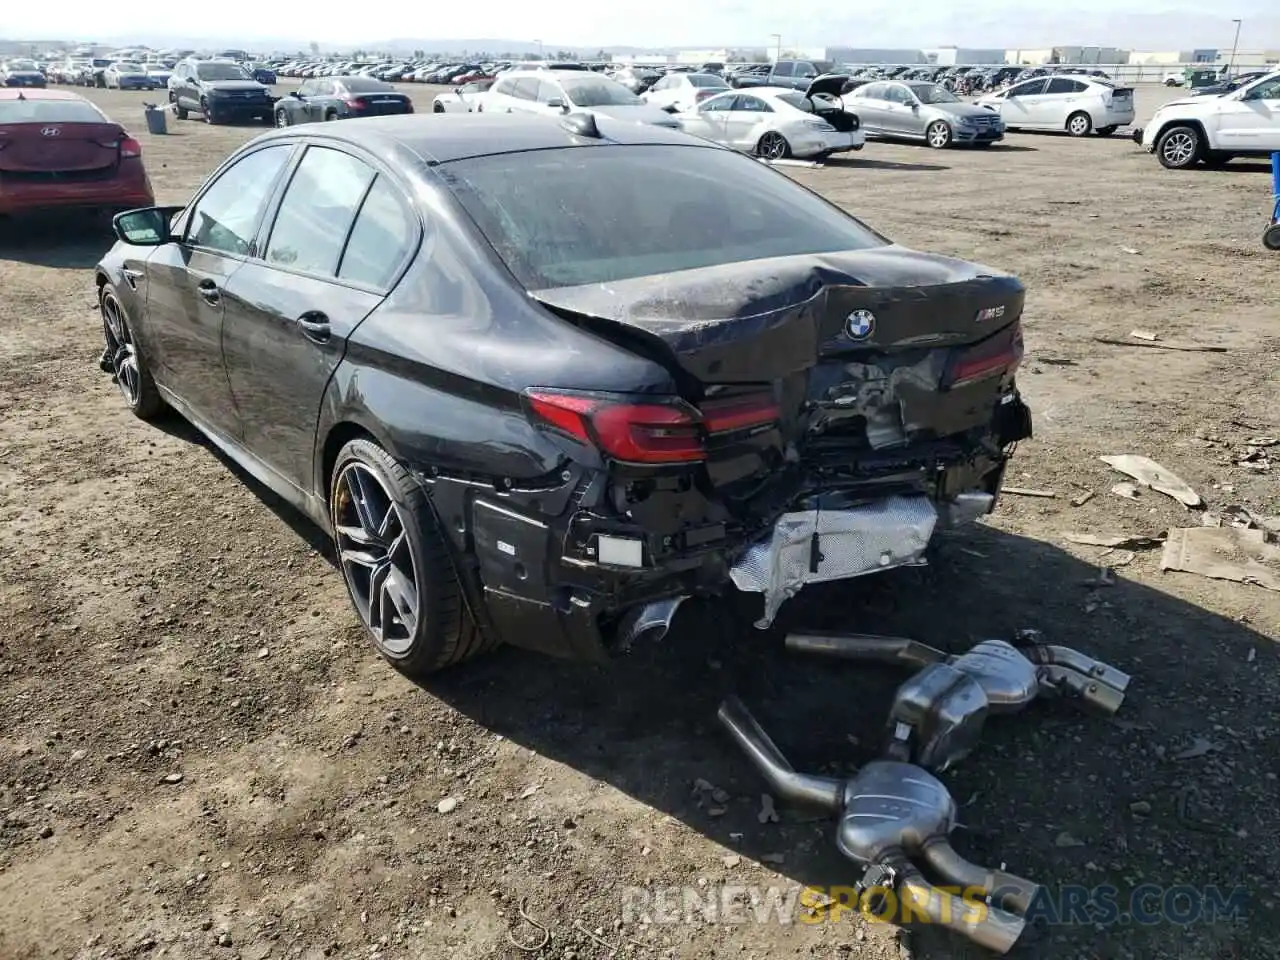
(396, 563)
(1079, 124)
(437, 108)
(1271, 237)
(282, 118)
(773, 146)
(1179, 148)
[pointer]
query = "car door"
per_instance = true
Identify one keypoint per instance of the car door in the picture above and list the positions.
(186, 93)
(340, 235)
(1250, 120)
(1020, 101)
(187, 280)
(319, 99)
(868, 103)
(900, 119)
(745, 121)
(1062, 97)
(708, 120)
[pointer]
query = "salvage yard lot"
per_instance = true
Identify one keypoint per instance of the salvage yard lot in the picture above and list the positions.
(200, 755)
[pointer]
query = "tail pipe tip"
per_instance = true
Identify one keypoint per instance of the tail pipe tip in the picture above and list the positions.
(990, 927)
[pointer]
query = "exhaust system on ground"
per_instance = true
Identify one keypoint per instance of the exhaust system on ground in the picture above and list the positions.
(938, 713)
(895, 815)
(891, 814)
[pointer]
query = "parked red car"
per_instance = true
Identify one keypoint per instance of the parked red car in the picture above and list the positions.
(59, 151)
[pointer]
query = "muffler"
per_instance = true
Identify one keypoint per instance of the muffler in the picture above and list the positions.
(938, 713)
(890, 814)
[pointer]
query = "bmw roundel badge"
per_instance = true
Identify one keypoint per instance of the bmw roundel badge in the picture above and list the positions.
(860, 325)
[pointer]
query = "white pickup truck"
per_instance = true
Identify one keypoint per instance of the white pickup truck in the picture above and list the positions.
(1212, 130)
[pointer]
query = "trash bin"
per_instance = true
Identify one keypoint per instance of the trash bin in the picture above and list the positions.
(156, 119)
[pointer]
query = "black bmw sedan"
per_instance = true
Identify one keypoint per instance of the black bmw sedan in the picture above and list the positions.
(543, 378)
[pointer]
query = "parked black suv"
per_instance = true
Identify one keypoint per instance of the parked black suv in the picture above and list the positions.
(219, 90)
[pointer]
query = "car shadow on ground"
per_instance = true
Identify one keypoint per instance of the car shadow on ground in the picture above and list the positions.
(1070, 800)
(63, 242)
(868, 163)
(1048, 792)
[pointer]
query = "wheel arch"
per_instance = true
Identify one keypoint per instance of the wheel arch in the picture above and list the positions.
(339, 435)
(1196, 125)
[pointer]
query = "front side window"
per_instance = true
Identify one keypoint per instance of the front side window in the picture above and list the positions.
(576, 216)
(226, 217)
(526, 88)
(718, 104)
(590, 90)
(317, 211)
(783, 68)
(752, 105)
(381, 238)
(548, 91)
(1267, 90)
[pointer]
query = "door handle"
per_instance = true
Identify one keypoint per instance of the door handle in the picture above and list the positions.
(209, 291)
(315, 326)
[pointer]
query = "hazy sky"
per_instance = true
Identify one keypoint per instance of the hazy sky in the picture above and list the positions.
(1135, 24)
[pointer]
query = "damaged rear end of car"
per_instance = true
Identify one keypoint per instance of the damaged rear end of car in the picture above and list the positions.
(827, 408)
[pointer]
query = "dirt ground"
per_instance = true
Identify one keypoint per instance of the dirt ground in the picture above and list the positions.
(165, 620)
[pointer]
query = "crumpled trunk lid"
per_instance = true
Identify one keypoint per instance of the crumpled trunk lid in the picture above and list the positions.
(858, 349)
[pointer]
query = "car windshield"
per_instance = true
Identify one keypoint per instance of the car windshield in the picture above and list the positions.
(220, 71)
(49, 111)
(707, 80)
(22, 65)
(933, 93)
(567, 217)
(594, 91)
(126, 67)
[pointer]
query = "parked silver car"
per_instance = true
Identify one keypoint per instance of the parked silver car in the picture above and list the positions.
(919, 110)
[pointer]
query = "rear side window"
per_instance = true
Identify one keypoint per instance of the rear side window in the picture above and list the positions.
(573, 216)
(50, 111)
(381, 238)
(317, 212)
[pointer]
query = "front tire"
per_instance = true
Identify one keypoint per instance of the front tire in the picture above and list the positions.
(396, 564)
(1179, 148)
(1271, 237)
(938, 135)
(207, 112)
(331, 115)
(773, 146)
(1079, 124)
(127, 367)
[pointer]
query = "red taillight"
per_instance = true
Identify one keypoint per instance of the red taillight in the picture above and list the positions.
(130, 148)
(739, 413)
(703, 94)
(998, 354)
(649, 433)
(356, 104)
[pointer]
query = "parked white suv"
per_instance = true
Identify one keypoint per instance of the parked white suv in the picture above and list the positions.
(1212, 130)
(1077, 104)
(556, 92)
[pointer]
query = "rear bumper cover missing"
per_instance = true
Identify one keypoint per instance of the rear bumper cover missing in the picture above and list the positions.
(816, 546)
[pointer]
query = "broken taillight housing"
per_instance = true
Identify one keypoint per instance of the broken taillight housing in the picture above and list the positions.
(638, 431)
(130, 148)
(998, 355)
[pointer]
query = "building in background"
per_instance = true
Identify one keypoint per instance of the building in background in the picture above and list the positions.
(704, 56)
(962, 56)
(870, 55)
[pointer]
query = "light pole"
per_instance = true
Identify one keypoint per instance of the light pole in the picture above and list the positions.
(1235, 44)
(777, 40)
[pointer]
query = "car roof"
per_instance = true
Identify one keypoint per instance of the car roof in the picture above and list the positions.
(37, 93)
(441, 138)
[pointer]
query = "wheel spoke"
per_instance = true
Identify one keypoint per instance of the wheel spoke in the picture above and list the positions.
(359, 490)
(357, 534)
(401, 596)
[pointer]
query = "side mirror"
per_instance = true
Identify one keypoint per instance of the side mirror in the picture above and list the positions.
(146, 227)
(296, 93)
(555, 103)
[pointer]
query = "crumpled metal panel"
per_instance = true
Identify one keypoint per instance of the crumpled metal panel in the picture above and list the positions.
(892, 532)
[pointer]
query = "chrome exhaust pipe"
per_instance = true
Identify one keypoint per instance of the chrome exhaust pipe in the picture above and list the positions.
(1007, 890)
(1048, 653)
(801, 788)
(900, 651)
(647, 621)
(990, 927)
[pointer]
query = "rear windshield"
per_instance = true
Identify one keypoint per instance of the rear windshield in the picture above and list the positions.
(591, 90)
(706, 80)
(366, 85)
(220, 71)
(49, 111)
(23, 65)
(124, 67)
(601, 214)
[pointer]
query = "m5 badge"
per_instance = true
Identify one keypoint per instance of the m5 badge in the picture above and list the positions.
(990, 313)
